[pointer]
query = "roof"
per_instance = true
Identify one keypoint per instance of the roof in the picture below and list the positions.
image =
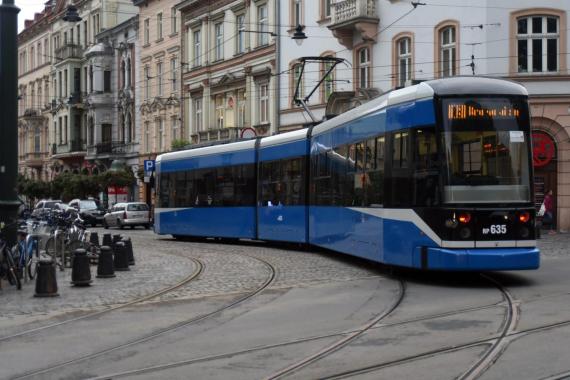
(206, 151)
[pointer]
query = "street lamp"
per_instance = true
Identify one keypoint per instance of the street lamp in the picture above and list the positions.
(9, 122)
(299, 36)
(71, 15)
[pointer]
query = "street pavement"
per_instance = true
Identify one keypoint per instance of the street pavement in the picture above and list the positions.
(313, 297)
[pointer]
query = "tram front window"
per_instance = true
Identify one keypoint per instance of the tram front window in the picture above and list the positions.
(486, 144)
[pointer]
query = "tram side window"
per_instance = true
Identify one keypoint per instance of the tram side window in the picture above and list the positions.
(426, 168)
(244, 179)
(322, 178)
(340, 185)
(180, 189)
(400, 186)
(224, 187)
(375, 172)
(164, 190)
(282, 182)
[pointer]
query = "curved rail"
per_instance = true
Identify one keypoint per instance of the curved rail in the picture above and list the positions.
(195, 274)
(163, 331)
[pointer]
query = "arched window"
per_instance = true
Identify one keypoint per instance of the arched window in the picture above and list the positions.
(296, 74)
(328, 83)
(404, 54)
(364, 79)
(447, 51)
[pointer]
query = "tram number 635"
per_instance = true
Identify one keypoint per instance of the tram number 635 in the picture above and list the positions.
(495, 229)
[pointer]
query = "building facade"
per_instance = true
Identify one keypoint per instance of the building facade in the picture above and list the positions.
(159, 84)
(228, 76)
(34, 86)
(112, 119)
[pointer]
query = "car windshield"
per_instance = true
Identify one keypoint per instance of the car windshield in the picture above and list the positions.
(486, 143)
(88, 205)
(137, 207)
(51, 204)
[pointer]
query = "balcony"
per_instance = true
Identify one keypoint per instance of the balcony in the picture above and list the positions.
(216, 135)
(35, 159)
(354, 16)
(70, 149)
(111, 148)
(69, 51)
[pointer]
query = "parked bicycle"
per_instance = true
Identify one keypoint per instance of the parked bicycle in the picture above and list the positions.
(8, 267)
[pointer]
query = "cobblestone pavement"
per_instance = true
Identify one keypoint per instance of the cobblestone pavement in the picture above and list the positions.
(162, 262)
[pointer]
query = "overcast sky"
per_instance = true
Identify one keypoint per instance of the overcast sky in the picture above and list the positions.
(27, 10)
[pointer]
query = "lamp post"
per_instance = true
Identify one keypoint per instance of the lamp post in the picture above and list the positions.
(9, 202)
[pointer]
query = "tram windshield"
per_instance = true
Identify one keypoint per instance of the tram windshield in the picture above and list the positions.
(486, 144)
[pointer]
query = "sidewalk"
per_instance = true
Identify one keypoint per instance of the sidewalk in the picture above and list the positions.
(554, 246)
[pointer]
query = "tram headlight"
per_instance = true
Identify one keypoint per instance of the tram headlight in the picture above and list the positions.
(524, 217)
(465, 233)
(524, 232)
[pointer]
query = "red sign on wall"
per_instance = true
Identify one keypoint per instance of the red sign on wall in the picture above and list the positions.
(543, 149)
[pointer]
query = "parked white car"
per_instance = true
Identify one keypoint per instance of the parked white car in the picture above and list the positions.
(127, 214)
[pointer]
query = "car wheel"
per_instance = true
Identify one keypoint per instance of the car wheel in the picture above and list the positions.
(146, 226)
(120, 224)
(105, 225)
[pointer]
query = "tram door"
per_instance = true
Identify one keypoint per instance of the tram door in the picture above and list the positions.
(544, 162)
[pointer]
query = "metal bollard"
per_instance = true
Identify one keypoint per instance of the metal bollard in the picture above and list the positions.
(81, 269)
(107, 240)
(94, 239)
(121, 257)
(129, 247)
(46, 282)
(105, 266)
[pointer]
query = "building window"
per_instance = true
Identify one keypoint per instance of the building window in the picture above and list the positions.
(85, 32)
(219, 103)
(364, 69)
(46, 50)
(241, 108)
(298, 82)
(263, 26)
(197, 49)
(147, 136)
(159, 78)
(404, 53)
(173, 73)
(198, 114)
(328, 82)
(37, 139)
(39, 52)
(447, 40)
(160, 135)
(65, 129)
(65, 83)
(107, 81)
(240, 25)
(263, 103)
(146, 83)
(538, 44)
(219, 41)
(173, 21)
(327, 8)
(174, 123)
(159, 26)
(297, 13)
(146, 31)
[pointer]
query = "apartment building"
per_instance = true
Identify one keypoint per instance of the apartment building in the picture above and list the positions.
(229, 50)
(159, 84)
(34, 87)
(390, 44)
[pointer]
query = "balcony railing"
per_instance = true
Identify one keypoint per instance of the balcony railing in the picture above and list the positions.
(354, 16)
(69, 51)
(223, 134)
(72, 146)
(347, 10)
(111, 147)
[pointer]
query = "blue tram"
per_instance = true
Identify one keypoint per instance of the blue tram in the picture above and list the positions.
(434, 176)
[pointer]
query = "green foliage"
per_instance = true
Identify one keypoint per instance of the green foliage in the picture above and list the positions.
(179, 144)
(67, 186)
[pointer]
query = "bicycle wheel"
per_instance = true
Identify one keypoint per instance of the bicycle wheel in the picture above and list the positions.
(50, 251)
(12, 274)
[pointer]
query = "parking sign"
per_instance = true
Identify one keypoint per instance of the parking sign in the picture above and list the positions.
(148, 165)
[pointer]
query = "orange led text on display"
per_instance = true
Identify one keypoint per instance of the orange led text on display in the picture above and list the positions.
(465, 112)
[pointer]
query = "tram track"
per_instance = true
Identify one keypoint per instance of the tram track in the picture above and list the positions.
(163, 331)
(197, 272)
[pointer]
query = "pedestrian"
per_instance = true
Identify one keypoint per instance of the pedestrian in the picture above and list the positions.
(548, 211)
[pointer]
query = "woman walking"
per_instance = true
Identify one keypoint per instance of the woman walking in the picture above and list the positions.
(548, 211)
